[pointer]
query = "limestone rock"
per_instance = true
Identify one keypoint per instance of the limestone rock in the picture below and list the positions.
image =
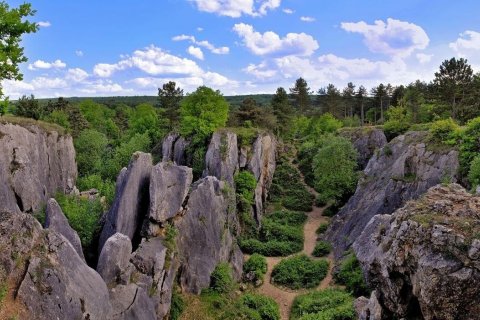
(402, 170)
(418, 258)
(180, 151)
(368, 309)
(56, 221)
(45, 159)
(114, 258)
(365, 140)
(222, 156)
(131, 199)
(168, 146)
(243, 157)
(132, 302)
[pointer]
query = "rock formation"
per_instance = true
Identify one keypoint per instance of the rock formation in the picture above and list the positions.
(35, 163)
(221, 159)
(402, 170)
(365, 140)
(174, 149)
(423, 260)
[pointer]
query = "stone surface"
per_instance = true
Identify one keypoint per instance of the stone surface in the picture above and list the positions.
(131, 202)
(132, 302)
(243, 157)
(221, 159)
(55, 220)
(368, 309)
(402, 170)
(365, 140)
(418, 258)
(180, 156)
(169, 186)
(114, 259)
(168, 146)
(206, 234)
(262, 165)
(34, 165)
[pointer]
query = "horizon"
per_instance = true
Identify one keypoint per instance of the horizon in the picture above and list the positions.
(238, 47)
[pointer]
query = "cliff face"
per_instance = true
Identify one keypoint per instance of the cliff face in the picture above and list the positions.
(424, 259)
(34, 165)
(366, 141)
(402, 170)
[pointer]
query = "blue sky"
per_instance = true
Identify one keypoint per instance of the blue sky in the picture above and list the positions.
(106, 48)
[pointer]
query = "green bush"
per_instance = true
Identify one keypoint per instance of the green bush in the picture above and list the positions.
(90, 147)
(271, 248)
(245, 183)
(398, 122)
(322, 248)
(95, 181)
(351, 276)
(474, 172)
(221, 280)
(256, 264)
(469, 146)
(443, 131)
(328, 304)
(177, 306)
(322, 228)
(299, 272)
(264, 308)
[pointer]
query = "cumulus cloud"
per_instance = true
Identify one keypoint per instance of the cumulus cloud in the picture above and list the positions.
(237, 8)
(40, 64)
(205, 44)
(424, 58)
(270, 43)
(76, 75)
(44, 24)
(395, 37)
(468, 41)
(307, 19)
(260, 71)
(196, 52)
(79, 53)
(288, 11)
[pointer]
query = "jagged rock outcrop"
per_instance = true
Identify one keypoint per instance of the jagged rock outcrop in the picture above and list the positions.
(402, 170)
(49, 278)
(262, 165)
(55, 220)
(423, 259)
(221, 159)
(168, 146)
(365, 140)
(131, 199)
(174, 149)
(114, 259)
(206, 234)
(35, 163)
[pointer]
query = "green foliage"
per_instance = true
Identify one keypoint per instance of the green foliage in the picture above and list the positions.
(177, 306)
(328, 304)
(83, 216)
(443, 131)
(469, 147)
(312, 128)
(28, 107)
(334, 169)
(474, 172)
(90, 146)
(350, 122)
(262, 308)
(322, 228)
(202, 112)
(3, 292)
(59, 117)
(322, 248)
(245, 183)
(94, 181)
(299, 272)
(256, 264)
(169, 97)
(144, 120)
(4, 106)
(301, 95)
(221, 280)
(350, 275)
(398, 122)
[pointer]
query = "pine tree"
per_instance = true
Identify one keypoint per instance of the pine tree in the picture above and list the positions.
(360, 97)
(348, 94)
(333, 100)
(169, 100)
(282, 110)
(301, 94)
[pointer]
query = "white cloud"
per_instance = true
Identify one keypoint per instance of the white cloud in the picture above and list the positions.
(204, 44)
(395, 37)
(424, 58)
(40, 64)
(307, 19)
(260, 71)
(269, 43)
(468, 41)
(79, 53)
(44, 24)
(76, 75)
(199, 29)
(196, 52)
(288, 11)
(237, 8)
(49, 83)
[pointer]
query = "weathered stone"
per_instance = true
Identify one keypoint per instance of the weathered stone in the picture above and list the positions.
(169, 186)
(402, 170)
(132, 302)
(114, 258)
(34, 165)
(418, 260)
(365, 140)
(56, 221)
(243, 157)
(131, 202)
(168, 146)
(222, 156)
(206, 234)
(180, 151)
(368, 309)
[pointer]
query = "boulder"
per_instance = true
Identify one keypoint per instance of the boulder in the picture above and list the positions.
(180, 151)
(114, 259)
(368, 309)
(131, 202)
(55, 220)
(221, 159)
(132, 302)
(42, 157)
(206, 234)
(168, 146)
(418, 258)
(402, 170)
(365, 140)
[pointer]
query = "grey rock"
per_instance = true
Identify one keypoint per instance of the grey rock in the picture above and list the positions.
(206, 234)
(130, 206)
(421, 270)
(56, 221)
(365, 140)
(114, 259)
(243, 157)
(169, 186)
(474, 251)
(46, 159)
(368, 309)
(180, 151)
(221, 158)
(132, 302)
(402, 170)
(168, 146)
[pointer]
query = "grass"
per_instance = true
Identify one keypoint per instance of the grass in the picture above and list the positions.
(322, 248)
(299, 272)
(350, 275)
(328, 304)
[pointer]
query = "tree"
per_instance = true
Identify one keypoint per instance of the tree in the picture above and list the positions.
(452, 81)
(202, 112)
(379, 94)
(28, 107)
(282, 110)
(90, 146)
(333, 100)
(12, 28)
(4, 106)
(248, 111)
(348, 94)
(144, 120)
(360, 97)
(169, 98)
(301, 93)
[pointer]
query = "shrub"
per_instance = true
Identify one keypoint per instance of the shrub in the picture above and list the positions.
(443, 131)
(322, 248)
(90, 147)
(350, 274)
(58, 117)
(95, 181)
(322, 228)
(271, 248)
(245, 183)
(257, 265)
(299, 272)
(398, 122)
(177, 306)
(264, 308)
(469, 147)
(221, 280)
(474, 172)
(328, 304)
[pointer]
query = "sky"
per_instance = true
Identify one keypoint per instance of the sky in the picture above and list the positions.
(124, 48)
